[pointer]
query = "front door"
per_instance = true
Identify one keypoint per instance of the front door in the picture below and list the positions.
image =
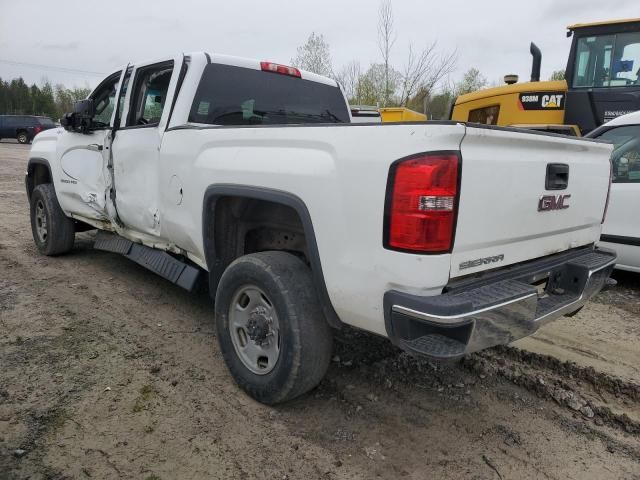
(84, 181)
(136, 145)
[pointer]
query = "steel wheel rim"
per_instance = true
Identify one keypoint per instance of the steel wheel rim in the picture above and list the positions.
(41, 221)
(254, 329)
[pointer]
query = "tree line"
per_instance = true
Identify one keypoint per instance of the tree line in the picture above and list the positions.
(422, 82)
(18, 98)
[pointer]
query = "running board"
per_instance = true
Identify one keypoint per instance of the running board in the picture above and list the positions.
(157, 261)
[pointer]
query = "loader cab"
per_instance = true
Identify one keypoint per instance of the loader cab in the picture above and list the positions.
(603, 73)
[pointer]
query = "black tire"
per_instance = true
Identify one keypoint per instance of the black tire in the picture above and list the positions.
(22, 137)
(305, 338)
(59, 229)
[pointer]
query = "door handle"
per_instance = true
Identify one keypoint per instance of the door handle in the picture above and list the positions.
(94, 147)
(557, 176)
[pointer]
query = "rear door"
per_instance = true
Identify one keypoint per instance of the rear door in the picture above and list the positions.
(136, 144)
(525, 196)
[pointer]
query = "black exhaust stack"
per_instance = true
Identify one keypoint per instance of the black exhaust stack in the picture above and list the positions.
(537, 62)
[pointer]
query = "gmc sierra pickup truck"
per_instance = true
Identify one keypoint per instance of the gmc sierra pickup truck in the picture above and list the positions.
(445, 237)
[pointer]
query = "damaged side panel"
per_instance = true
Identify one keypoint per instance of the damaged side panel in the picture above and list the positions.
(82, 182)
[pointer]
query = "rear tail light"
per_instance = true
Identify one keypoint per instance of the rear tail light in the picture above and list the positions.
(37, 130)
(283, 69)
(422, 203)
(606, 205)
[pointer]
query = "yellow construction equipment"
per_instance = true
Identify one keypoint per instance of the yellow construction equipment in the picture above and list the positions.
(401, 114)
(602, 82)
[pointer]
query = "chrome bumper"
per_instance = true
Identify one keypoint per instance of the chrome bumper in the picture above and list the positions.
(496, 310)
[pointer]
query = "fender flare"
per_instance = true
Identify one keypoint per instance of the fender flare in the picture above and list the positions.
(214, 192)
(28, 179)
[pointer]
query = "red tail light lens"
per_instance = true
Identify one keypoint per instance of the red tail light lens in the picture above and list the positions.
(37, 130)
(283, 69)
(423, 203)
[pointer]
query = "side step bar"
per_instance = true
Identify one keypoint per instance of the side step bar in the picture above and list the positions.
(157, 261)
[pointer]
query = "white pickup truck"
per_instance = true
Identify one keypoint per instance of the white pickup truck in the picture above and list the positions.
(445, 237)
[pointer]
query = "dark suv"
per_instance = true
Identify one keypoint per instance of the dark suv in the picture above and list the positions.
(23, 127)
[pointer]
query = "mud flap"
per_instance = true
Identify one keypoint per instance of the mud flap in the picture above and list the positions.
(157, 261)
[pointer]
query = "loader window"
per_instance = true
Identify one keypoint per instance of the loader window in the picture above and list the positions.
(486, 116)
(607, 61)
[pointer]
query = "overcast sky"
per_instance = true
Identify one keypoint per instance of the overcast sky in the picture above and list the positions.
(91, 36)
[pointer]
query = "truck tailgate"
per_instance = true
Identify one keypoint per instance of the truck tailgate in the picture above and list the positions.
(513, 203)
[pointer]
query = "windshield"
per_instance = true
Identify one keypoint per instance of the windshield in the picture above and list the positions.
(229, 95)
(607, 60)
(621, 135)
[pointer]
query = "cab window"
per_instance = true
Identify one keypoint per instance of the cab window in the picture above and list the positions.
(607, 60)
(149, 94)
(232, 96)
(104, 101)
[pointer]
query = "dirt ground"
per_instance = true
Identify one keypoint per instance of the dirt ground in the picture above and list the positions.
(109, 372)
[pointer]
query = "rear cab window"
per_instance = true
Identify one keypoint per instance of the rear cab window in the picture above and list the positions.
(230, 95)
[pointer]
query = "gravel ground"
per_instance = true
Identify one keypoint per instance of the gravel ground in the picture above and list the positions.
(109, 372)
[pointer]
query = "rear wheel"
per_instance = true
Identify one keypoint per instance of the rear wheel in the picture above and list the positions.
(53, 232)
(22, 137)
(270, 327)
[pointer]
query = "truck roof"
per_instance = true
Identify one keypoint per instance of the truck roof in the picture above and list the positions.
(240, 62)
(255, 64)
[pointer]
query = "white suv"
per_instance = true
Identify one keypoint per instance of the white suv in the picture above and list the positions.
(621, 230)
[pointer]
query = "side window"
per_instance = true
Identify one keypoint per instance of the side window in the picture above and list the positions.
(123, 94)
(104, 101)
(626, 162)
(149, 94)
(487, 115)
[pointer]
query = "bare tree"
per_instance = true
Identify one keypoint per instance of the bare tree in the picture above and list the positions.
(424, 70)
(386, 40)
(350, 77)
(314, 56)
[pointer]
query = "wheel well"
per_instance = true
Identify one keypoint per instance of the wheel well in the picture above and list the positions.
(247, 225)
(238, 220)
(37, 174)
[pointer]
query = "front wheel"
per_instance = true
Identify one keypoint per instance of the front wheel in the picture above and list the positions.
(53, 232)
(270, 326)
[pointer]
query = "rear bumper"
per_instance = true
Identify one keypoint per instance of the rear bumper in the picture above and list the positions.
(496, 309)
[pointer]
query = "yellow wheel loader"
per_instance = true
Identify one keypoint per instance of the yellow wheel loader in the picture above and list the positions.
(602, 82)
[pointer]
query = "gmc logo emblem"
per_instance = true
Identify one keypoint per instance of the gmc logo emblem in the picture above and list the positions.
(553, 202)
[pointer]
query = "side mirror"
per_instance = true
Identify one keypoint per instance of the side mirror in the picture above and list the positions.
(84, 108)
(80, 119)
